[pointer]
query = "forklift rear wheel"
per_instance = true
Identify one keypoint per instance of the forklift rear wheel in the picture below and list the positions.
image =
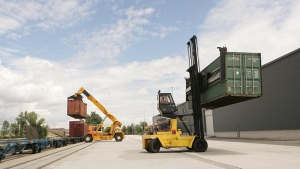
(200, 145)
(118, 137)
(88, 138)
(154, 146)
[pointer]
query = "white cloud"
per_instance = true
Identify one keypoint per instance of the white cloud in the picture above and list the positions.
(19, 15)
(39, 85)
(8, 24)
(268, 27)
(163, 31)
(6, 52)
(112, 40)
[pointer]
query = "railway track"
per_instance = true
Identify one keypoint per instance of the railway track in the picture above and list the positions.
(43, 159)
(25, 153)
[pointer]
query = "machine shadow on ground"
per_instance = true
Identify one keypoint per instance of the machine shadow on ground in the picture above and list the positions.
(208, 152)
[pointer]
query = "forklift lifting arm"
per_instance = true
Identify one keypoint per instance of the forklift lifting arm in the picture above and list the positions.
(99, 105)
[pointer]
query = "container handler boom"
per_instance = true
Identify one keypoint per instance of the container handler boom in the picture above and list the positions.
(114, 132)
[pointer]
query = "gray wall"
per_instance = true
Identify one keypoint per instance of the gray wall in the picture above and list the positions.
(278, 109)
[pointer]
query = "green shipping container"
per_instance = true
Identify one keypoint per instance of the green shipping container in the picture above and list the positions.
(237, 80)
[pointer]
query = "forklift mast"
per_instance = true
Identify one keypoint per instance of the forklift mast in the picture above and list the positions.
(195, 82)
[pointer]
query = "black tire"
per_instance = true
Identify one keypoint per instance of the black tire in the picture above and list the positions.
(88, 138)
(118, 137)
(33, 149)
(200, 145)
(154, 146)
(39, 150)
(147, 148)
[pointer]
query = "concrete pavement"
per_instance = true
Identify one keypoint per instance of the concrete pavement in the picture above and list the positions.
(221, 153)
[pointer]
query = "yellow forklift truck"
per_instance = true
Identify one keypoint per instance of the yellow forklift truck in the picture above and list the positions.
(167, 108)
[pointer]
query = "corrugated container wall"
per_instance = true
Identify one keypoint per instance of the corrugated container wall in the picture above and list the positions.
(76, 109)
(241, 80)
(77, 129)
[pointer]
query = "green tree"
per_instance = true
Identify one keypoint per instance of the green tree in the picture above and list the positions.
(138, 129)
(124, 129)
(31, 126)
(42, 129)
(5, 127)
(14, 128)
(93, 119)
(143, 124)
(36, 128)
(130, 129)
(21, 120)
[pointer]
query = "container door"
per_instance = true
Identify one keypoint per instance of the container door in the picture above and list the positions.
(234, 74)
(78, 130)
(252, 74)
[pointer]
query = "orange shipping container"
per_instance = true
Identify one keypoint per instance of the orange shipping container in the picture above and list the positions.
(77, 129)
(76, 109)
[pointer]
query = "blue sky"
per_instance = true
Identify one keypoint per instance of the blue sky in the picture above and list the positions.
(123, 52)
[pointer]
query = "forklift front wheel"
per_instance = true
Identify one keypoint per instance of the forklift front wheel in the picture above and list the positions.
(200, 145)
(118, 137)
(88, 138)
(154, 146)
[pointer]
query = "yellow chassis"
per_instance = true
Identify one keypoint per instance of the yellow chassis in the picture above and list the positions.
(173, 139)
(169, 140)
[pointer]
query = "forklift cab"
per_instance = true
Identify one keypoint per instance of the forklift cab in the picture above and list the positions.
(166, 105)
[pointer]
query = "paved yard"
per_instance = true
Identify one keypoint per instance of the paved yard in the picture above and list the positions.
(221, 153)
